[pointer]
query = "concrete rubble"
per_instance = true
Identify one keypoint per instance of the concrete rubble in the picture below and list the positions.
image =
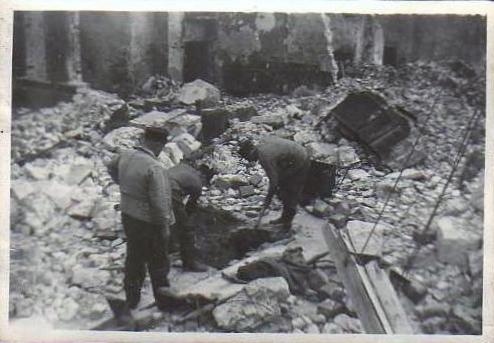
(67, 244)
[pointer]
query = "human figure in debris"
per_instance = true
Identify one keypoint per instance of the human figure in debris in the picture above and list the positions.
(146, 213)
(286, 164)
(186, 183)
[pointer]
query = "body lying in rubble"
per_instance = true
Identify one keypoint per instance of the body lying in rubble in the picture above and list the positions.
(146, 205)
(286, 164)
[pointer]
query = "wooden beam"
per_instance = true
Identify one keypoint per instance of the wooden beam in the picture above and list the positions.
(373, 295)
(389, 299)
(351, 277)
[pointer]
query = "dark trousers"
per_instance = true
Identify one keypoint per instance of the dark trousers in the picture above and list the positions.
(145, 248)
(183, 229)
(290, 193)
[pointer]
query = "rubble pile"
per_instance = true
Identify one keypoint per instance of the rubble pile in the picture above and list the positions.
(62, 202)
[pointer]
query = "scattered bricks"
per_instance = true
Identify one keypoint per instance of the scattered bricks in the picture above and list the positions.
(230, 181)
(275, 120)
(330, 308)
(255, 179)
(454, 241)
(246, 191)
(187, 143)
(157, 118)
(317, 278)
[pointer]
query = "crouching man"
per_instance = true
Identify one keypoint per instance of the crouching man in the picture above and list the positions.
(186, 187)
(286, 164)
(146, 214)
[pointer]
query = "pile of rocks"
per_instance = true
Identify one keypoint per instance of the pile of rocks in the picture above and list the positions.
(63, 202)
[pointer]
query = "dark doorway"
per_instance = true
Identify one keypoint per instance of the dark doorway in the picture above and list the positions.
(390, 56)
(197, 61)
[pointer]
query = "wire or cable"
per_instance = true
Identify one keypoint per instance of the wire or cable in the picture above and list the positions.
(403, 167)
(461, 151)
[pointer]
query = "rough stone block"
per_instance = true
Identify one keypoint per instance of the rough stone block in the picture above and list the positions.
(187, 143)
(257, 303)
(230, 181)
(174, 152)
(199, 90)
(246, 191)
(275, 120)
(358, 232)
(330, 308)
(454, 241)
(357, 174)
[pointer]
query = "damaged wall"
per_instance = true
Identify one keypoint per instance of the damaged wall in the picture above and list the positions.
(240, 52)
(426, 37)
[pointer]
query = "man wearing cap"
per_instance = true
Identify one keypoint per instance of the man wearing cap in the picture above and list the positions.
(146, 213)
(286, 164)
(186, 187)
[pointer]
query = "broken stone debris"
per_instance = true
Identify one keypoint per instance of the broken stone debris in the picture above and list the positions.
(298, 122)
(454, 241)
(201, 91)
(257, 303)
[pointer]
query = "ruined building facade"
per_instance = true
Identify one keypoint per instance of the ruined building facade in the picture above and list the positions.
(239, 52)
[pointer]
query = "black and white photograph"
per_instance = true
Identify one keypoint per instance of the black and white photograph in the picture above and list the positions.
(247, 172)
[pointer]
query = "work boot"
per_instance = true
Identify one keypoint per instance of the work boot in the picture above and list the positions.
(188, 253)
(166, 298)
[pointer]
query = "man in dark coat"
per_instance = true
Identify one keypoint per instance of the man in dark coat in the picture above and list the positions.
(147, 214)
(186, 187)
(286, 164)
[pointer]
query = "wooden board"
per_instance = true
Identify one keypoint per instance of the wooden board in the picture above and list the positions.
(373, 295)
(351, 277)
(389, 299)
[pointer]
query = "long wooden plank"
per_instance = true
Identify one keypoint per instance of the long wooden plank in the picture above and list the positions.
(347, 270)
(389, 299)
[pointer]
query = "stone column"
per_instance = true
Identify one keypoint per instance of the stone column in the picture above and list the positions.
(175, 46)
(73, 56)
(35, 46)
(369, 45)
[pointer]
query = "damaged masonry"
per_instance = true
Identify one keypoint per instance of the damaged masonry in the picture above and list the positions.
(388, 233)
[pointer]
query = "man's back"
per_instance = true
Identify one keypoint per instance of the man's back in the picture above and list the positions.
(185, 180)
(281, 156)
(144, 185)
